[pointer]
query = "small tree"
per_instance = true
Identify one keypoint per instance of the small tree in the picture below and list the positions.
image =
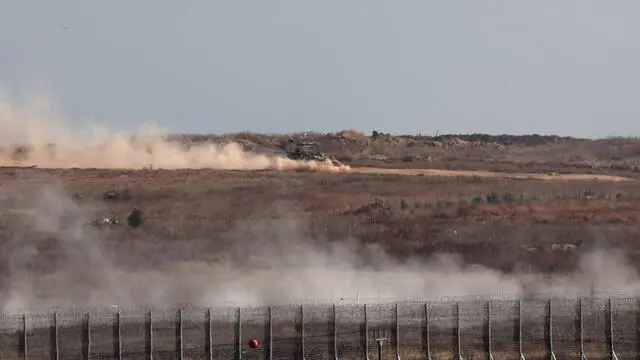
(136, 218)
(403, 204)
(493, 198)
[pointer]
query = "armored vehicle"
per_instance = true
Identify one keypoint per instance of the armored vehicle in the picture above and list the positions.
(307, 155)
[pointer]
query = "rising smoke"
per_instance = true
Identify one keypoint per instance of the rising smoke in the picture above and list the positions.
(52, 259)
(49, 142)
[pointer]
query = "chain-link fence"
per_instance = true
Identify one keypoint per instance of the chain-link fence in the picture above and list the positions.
(557, 328)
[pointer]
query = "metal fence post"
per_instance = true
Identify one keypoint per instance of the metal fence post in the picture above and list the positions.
(150, 340)
(489, 338)
(209, 335)
(270, 333)
(180, 339)
(522, 357)
(335, 332)
(87, 335)
(381, 337)
(118, 335)
(239, 344)
(459, 340)
(427, 334)
(552, 354)
(24, 337)
(56, 347)
(366, 334)
(397, 333)
(302, 335)
(611, 342)
(583, 356)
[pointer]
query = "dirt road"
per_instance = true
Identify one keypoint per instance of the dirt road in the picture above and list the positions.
(490, 174)
(436, 172)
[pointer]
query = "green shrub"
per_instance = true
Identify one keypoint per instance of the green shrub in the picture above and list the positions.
(403, 204)
(493, 198)
(136, 218)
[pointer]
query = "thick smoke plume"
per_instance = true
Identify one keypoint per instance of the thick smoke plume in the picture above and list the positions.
(53, 259)
(50, 142)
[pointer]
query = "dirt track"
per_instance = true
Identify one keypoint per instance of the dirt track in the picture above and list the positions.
(490, 174)
(455, 173)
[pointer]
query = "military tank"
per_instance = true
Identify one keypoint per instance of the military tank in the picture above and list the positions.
(307, 155)
(307, 151)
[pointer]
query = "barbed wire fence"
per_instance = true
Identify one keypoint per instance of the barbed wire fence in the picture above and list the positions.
(550, 328)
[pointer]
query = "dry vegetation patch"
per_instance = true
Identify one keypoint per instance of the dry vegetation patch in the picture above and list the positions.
(409, 213)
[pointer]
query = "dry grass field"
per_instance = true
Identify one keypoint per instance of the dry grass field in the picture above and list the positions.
(410, 217)
(546, 207)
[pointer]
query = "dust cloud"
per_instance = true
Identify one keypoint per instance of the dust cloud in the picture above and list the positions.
(48, 141)
(52, 259)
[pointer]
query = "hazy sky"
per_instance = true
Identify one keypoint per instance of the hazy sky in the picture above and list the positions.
(567, 67)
